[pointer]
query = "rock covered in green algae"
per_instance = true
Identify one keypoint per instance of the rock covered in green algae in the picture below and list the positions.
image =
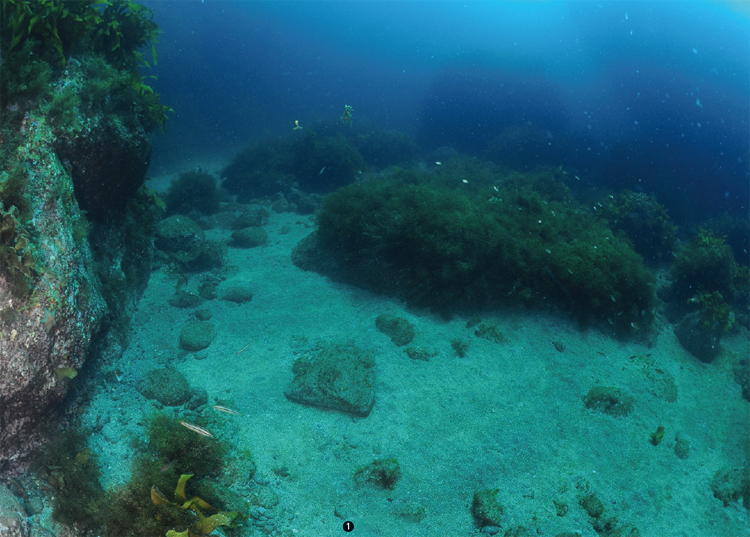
(168, 386)
(197, 335)
(609, 400)
(382, 473)
(177, 233)
(237, 293)
(334, 376)
(397, 328)
(486, 508)
(249, 237)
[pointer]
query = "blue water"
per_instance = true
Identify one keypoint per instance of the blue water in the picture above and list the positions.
(649, 96)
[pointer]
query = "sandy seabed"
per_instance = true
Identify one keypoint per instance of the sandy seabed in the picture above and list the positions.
(507, 416)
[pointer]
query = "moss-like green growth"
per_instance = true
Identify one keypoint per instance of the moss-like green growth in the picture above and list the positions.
(657, 436)
(315, 163)
(16, 252)
(731, 484)
(22, 76)
(609, 400)
(69, 466)
(468, 236)
(169, 451)
(734, 228)
(385, 148)
(260, 170)
(715, 314)
(194, 190)
(132, 513)
(592, 505)
(704, 265)
(325, 164)
(136, 508)
(13, 191)
(169, 441)
(644, 222)
(52, 32)
(383, 473)
(486, 508)
(460, 346)
(397, 328)
(64, 111)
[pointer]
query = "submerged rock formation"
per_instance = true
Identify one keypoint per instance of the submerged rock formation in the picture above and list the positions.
(74, 216)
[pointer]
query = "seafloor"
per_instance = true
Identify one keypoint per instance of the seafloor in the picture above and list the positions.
(507, 416)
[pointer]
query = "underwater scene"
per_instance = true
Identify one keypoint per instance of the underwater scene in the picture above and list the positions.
(374, 268)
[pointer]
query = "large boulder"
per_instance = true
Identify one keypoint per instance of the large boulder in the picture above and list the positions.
(67, 275)
(50, 313)
(335, 377)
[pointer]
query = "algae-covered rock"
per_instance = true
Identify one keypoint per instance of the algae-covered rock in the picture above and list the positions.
(178, 232)
(681, 446)
(490, 332)
(334, 376)
(11, 518)
(382, 473)
(249, 237)
(731, 484)
(168, 386)
(184, 299)
(411, 512)
(202, 257)
(420, 353)
(196, 335)
(592, 505)
(486, 508)
(701, 343)
(609, 400)
(397, 328)
(237, 293)
(460, 346)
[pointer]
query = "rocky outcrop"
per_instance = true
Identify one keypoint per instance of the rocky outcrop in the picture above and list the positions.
(64, 281)
(46, 324)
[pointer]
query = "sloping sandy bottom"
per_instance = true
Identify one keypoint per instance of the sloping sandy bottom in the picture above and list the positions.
(508, 416)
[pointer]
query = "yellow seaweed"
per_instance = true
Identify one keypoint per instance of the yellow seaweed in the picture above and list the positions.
(206, 525)
(179, 492)
(158, 498)
(657, 435)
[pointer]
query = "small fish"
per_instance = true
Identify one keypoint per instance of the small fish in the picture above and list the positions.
(322, 170)
(243, 349)
(200, 430)
(226, 410)
(168, 466)
(66, 373)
